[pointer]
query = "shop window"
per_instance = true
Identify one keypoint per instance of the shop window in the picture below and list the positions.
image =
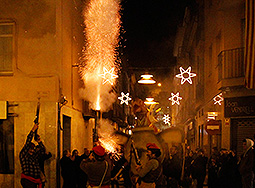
(7, 146)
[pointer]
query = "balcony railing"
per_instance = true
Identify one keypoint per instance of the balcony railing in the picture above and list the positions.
(231, 64)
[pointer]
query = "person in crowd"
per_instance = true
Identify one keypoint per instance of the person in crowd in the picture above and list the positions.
(213, 167)
(246, 164)
(42, 158)
(173, 168)
(29, 160)
(187, 180)
(151, 174)
(98, 168)
(85, 154)
(83, 177)
(199, 168)
(76, 161)
(67, 170)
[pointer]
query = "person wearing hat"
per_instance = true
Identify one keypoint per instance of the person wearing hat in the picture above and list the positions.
(29, 156)
(98, 168)
(151, 174)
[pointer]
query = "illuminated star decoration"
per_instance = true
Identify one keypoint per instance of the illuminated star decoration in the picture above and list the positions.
(166, 119)
(185, 75)
(218, 99)
(175, 98)
(124, 98)
(108, 76)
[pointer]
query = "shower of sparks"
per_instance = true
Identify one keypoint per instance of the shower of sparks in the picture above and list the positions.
(108, 76)
(124, 98)
(218, 99)
(102, 27)
(166, 119)
(185, 75)
(102, 21)
(175, 98)
(109, 144)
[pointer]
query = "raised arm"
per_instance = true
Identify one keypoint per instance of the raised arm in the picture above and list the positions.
(26, 147)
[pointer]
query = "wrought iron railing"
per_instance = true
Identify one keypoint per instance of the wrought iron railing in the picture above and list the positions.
(231, 64)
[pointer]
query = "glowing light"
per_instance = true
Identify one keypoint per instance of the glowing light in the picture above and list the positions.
(166, 119)
(98, 103)
(185, 75)
(109, 144)
(159, 84)
(146, 79)
(108, 76)
(124, 98)
(150, 101)
(175, 98)
(218, 99)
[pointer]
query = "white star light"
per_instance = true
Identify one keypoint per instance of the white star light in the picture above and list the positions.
(124, 98)
(166, 119)
(185, 75)
(218, 99)
(175, 98)
(108, 76)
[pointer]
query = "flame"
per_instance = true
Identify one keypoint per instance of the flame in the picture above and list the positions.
(98, 103)
(109, 144)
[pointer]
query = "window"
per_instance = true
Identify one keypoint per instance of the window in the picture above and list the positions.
(7, 146)
(6, 47)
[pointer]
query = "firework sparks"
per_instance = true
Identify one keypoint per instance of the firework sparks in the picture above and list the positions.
(102, 27)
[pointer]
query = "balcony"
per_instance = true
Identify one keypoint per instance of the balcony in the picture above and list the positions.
(231, 67)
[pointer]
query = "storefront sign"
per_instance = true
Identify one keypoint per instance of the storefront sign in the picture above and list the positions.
(239, 106)
(213, 127)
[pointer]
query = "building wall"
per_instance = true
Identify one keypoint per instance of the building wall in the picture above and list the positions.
(48, 44)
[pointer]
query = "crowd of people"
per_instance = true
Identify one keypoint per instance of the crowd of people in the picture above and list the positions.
(96, 168)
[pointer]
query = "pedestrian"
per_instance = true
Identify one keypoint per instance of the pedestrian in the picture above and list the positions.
(67, 170)
(29, 160)
(213, 167)
(199, 168)
(42, 158)
(246, 164)
(151, 174)
(98, 167)
(85, 154)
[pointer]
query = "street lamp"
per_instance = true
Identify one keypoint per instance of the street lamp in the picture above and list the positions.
(150, 101)
(146, 79)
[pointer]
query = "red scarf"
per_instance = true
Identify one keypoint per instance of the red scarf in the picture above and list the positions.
(37, 181)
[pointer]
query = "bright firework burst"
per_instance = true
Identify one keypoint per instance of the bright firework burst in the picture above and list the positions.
(102, 27)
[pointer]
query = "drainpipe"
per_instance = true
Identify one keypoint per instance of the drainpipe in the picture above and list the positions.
(61, 103)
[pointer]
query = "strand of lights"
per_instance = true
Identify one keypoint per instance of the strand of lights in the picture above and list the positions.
(166, 119)
(175, 98)
(124, 98)
(218, 99)
(185, 75)
(108, 76)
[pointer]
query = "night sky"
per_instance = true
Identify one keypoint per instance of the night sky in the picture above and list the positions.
(150, 27)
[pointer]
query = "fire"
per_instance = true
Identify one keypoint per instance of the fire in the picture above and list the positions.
(109, 144)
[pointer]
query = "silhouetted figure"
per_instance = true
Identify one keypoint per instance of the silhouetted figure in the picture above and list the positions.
(199, 168)
(67, 170)
(246, 164)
